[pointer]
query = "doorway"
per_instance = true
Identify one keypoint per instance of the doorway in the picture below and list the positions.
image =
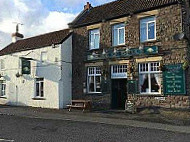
(119, 93)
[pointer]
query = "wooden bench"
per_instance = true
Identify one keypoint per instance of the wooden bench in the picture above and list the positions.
(81, 104)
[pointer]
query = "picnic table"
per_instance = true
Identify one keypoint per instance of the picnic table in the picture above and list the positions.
(81, 104)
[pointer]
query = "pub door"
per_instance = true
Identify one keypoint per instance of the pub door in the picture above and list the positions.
(119, 93)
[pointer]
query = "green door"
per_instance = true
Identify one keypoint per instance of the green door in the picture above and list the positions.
(119, 93)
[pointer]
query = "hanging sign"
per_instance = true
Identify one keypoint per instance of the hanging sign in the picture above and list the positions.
(174, 80)
(26, 69)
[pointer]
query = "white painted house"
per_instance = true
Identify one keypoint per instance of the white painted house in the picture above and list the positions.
(37, 71)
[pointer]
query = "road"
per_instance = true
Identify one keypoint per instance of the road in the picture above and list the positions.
(20, 129)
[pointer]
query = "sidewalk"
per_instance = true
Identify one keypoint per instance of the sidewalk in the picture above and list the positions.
(151, 121)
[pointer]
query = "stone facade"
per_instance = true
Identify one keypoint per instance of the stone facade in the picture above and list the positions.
(168, 23)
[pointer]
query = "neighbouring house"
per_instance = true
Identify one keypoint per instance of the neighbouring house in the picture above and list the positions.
(135, 50)
(37, 71)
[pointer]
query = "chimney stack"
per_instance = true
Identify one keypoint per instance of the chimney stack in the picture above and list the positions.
(87, 6)
(17, 36)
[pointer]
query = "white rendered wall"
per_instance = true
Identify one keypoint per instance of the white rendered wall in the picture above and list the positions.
(66, 75)
(21, 90)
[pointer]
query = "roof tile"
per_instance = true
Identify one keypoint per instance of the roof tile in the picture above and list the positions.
(36, 42)
(118, 8)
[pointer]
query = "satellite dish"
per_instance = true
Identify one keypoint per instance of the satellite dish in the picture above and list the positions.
(179, 36)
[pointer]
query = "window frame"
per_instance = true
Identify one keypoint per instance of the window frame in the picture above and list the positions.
(39, 81)
(93, 75)
(3, 88)
(147, 23)
(149, 72)
(113, 35)
(119, 69)
(41, 57)
(96, 33)
(2, 61)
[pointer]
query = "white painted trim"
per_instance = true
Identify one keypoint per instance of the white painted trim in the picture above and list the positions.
(97, 33)
(149, 72)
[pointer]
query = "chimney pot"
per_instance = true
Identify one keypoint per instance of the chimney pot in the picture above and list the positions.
(17, 36)
(87, 6)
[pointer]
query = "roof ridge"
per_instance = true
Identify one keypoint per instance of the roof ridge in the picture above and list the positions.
(45, 34)
(107, 3)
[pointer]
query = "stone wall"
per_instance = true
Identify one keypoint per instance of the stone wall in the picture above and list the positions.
(168, 23)
(182, 102)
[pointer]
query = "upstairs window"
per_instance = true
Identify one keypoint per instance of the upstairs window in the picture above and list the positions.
(2, 62)
(118, 34)
(148, 29)
(43, 56)
(94, 39)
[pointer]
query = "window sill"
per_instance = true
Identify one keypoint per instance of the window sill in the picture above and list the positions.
(3, 97)
(94, 93)
(38, 98)
(149, 41)
(150, 94)
(96, 49)
(121, 45)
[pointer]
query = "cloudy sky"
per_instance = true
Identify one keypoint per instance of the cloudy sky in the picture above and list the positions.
(38, 16)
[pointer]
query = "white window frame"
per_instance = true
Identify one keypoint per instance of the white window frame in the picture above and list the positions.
(94, 75)
(149, 72)
(42, 53)
(39, 81)
(118, 29)
(2, 64)
(119, 70)
(147, 23)
(3, 88)
(94, 33)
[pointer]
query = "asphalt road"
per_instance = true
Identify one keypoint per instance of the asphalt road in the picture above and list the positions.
(18, 129)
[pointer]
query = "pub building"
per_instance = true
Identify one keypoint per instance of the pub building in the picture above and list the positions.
(132, 52)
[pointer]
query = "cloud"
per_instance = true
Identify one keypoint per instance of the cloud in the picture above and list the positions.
(35, 17)
(38, 16)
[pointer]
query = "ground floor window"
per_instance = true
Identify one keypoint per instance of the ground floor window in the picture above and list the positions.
(40, 87)
(150, 78)
(3, 88)
(94, 80)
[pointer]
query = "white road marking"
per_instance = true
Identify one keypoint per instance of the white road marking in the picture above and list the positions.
(5, 140)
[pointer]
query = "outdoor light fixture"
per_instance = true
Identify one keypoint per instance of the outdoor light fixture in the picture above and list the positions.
(103, 52)
(141, 47)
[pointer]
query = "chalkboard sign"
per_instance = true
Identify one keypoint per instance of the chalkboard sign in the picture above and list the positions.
(174, 80)
(132, 87)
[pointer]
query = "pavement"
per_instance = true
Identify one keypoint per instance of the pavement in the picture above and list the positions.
(111, 117)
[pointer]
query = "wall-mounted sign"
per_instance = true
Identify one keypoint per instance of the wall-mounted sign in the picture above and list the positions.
(174, 80)
(121, 53)
(151, 49)
(132, 87)
(26, 69)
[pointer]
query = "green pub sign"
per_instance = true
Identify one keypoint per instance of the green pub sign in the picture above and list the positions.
(132, 87)
(26, 69)
(174, 80)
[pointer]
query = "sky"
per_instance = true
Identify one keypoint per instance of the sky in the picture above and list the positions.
(38, 16)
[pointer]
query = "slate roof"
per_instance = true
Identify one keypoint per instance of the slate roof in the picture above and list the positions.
(36, 42)
(118, 9)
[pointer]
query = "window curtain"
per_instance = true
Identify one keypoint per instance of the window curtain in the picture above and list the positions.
(144, 82)
(155, 82)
